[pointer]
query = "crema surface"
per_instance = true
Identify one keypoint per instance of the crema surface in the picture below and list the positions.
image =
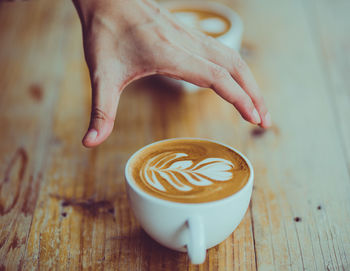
(189, 171)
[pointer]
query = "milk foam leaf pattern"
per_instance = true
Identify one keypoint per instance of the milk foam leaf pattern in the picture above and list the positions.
(170, 166)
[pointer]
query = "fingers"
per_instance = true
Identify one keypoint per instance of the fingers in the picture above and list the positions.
(227, 58)
(204, 73)
(105, 99)
(244, 77)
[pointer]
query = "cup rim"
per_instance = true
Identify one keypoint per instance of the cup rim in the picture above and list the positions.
(130, 180)
(236, 28)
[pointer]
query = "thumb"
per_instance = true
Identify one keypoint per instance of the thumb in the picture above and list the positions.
(105, 99)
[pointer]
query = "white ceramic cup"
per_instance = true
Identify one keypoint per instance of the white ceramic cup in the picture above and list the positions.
(232, 38)
(191, 227)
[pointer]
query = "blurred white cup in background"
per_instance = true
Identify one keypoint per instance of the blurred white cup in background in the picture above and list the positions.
(213, 19)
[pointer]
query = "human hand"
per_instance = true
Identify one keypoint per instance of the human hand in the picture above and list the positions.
(125, 40)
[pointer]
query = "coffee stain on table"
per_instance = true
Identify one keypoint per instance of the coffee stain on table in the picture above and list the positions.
(36, 92)
(89, 206)
(259, 132)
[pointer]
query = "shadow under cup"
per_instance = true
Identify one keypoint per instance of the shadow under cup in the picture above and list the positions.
(188, 227)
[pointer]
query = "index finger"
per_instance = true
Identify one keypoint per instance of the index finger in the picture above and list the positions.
(220, 54)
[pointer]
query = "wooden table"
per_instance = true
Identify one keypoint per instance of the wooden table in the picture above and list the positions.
(64, 207)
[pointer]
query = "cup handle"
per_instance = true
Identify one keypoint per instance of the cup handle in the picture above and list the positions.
(196, 244)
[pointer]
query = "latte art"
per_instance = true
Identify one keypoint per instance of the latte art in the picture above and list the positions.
(189, 170)
(183, 174)
(208, 22)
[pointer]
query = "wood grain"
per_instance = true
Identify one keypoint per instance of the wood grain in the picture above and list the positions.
(63, 207)
(330, 25)
(305, 167)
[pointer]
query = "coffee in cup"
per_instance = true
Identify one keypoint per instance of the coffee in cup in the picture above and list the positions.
(189, 171)
(213, 19)
(209, 22)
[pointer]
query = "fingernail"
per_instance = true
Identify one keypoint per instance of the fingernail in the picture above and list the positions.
(268, 121)
(91, 136)
(256, 117)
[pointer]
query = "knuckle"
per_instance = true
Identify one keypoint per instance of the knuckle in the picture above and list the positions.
(239, 63)
(245, 102)
(232, 59)
(218, 73)
(259, 101)
(98, 114)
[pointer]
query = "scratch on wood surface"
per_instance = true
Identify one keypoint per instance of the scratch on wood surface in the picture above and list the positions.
(270, 228)
(332, 237)
(31, 194)
(21, 156)
(299, 245)
(283, 222)
(253, 233)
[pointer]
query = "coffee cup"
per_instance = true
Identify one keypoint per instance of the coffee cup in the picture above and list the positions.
(212, 18)
(189, 194)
